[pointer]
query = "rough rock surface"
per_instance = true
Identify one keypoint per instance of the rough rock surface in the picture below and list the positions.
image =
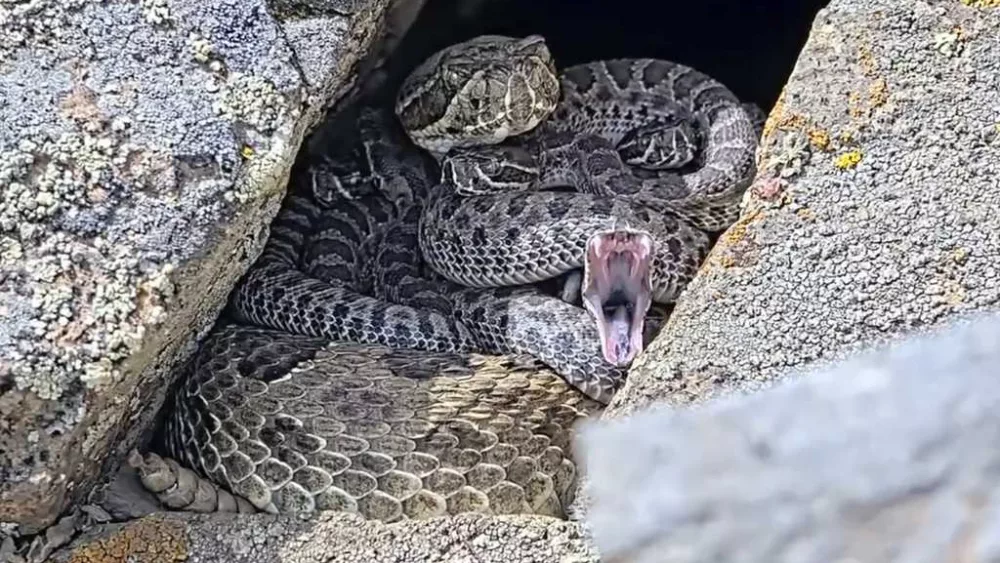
(874, 214)
(887, 457)
(329, 538)
(144, 147)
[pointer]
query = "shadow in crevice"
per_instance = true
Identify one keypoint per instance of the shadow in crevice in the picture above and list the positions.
(751, 47)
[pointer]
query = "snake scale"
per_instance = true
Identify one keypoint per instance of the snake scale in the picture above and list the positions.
(390, 352)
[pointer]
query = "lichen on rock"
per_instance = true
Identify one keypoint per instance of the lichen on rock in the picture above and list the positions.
(34, 22)
(82, 289)
(251, 100)
(153, 538)
(143, 145)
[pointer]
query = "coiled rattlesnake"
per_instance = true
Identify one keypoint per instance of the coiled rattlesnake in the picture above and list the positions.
(350, 380)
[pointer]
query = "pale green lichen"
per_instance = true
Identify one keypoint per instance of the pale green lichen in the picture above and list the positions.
(949, 43)
(85, 320)
(156, 12)
(43, 177)
(34, 22)
(252, 100)
(88, 302)
(790, 155)
(10, 250)
(201, 47)
(203, 51)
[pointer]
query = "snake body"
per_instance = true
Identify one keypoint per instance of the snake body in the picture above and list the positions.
(620, 134)
(348, 375)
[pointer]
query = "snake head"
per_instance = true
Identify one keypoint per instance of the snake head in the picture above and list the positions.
(489, 169)
(617, 290)
(669, 142)
(478, 92)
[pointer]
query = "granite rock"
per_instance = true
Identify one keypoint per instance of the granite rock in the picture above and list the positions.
(144, 148)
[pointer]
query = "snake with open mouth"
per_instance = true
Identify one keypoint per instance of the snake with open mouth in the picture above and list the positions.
(351, 375)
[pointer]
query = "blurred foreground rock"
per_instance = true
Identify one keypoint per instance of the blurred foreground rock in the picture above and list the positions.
(888, 457)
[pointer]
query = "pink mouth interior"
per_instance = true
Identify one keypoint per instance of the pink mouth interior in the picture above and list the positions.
(617, 291)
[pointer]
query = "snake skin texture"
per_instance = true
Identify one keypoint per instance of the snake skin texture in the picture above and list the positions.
(619, 134)
(347, 375)
(312, 279)
(478, 92)
(548, 238)
(296, 423)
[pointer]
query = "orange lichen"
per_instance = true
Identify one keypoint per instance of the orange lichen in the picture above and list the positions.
(878, 93)
(854, 106)
(792, 121)
(860, 106)
(733, 246)
(819, 138)
(780, 119)
(738, 231)
(806, 214)
(771, 123)
(152, 539)
(867, 59)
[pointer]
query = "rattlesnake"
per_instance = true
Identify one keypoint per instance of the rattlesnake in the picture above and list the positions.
(620, 132)
(348, 378)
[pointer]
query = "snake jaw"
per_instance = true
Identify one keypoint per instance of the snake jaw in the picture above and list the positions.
(617, 290)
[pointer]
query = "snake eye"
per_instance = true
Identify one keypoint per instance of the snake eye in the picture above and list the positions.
(490, 167)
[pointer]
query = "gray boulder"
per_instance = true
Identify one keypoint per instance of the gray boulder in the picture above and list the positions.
(888, 457)
(144, 148)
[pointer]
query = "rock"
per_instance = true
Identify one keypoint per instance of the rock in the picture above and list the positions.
(887, 457)
(873, 216)
(328, 537)
(144, 147)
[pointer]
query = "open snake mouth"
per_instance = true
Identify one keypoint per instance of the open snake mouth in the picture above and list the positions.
(617, 290)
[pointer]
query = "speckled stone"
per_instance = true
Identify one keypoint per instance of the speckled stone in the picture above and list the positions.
(344, 538)
(144, 148)
(875, 213)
